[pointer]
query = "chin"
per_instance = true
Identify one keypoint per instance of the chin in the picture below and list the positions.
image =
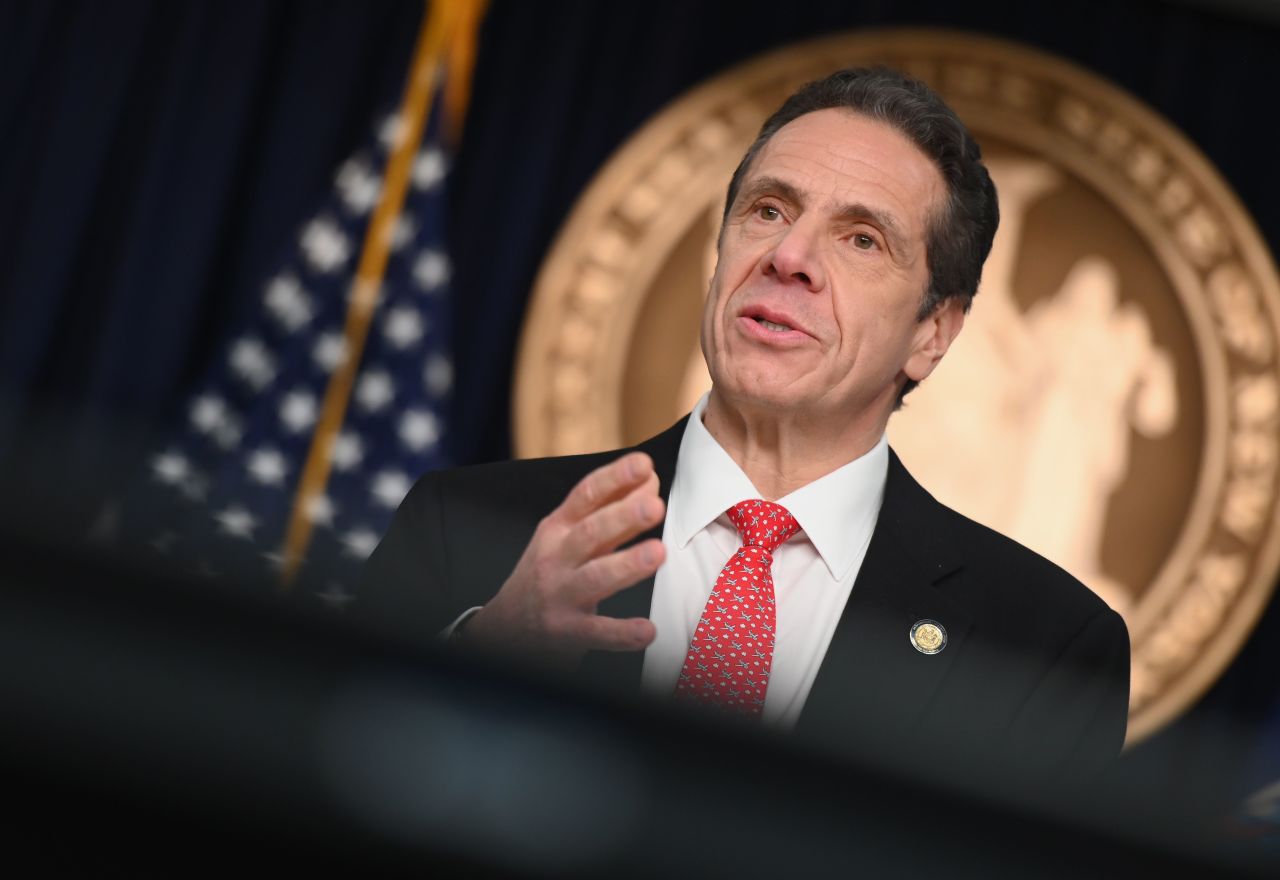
(760, 394)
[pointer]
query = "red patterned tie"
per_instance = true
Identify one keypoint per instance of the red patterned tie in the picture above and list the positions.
(732, 649)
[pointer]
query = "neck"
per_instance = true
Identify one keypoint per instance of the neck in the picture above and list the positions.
(782, 451)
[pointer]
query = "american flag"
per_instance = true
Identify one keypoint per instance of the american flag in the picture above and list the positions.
(218, 494)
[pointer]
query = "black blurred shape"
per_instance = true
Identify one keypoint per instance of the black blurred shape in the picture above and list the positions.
(157, 725)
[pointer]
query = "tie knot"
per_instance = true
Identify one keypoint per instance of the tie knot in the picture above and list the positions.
(762, 523)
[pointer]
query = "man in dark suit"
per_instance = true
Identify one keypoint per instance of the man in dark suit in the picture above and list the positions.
(854, 234)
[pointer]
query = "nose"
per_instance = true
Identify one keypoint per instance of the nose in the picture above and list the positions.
(796, 258)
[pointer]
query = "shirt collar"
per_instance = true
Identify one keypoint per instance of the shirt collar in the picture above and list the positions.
(837, 511)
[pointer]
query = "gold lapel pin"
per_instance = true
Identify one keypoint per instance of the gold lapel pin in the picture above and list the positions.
(928, 636)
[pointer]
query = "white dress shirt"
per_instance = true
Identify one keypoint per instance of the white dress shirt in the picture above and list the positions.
(813, 573)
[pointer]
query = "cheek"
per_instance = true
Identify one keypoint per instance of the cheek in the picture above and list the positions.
(705, 330)
(735, 263)
(720, 293)
(710, 333)
(873, 335)
(715, 295)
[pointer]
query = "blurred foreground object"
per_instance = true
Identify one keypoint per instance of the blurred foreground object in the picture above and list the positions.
(152, 724)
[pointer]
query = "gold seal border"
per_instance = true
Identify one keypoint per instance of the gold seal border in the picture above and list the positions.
(1208, 595)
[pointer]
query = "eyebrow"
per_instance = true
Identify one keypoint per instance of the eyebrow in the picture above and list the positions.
(855, 211)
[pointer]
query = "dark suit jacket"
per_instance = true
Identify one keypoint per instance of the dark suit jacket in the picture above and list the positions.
(1034, 675)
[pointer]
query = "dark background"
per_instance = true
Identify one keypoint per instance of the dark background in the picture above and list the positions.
(157, 157)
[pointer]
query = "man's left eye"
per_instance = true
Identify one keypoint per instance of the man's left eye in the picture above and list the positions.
(863, 241)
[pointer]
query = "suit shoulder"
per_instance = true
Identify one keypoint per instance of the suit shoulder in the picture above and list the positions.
(1015, 563)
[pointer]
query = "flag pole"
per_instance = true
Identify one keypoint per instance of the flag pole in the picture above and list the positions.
(439, 29)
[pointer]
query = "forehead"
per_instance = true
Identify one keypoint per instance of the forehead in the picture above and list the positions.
(840, 156)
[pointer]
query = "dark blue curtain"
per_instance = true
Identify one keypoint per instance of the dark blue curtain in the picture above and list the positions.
(156, 156)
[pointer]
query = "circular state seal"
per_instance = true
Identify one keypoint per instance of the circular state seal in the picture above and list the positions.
(1114, 397)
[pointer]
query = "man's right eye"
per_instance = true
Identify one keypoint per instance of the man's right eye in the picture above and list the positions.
(768, 212)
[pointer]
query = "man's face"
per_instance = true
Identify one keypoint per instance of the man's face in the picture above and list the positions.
(821, 271)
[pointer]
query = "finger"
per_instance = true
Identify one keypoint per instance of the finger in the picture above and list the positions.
(605, 484)
(602, 577)
(595, 632)
(601, 531)
(652, 483)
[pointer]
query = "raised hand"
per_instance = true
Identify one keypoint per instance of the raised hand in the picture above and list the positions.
(547, 607)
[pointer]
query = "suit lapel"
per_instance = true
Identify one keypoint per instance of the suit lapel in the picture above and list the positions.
(873, 682)
(619, 672)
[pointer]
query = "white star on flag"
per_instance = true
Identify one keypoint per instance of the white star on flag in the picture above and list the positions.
(359, 543)
(429, 168)
(170, 467)
(359, 187)
(208, 413)
(431, 270)
(252, 362)
(237, 522)
(288, 303)
(374, 390)
(324, 245)
(389, 488)
(348, 451)
(320, 510)
(392, 131)
(298, 410)
(329, 352)
(403, 326)
(419, 429)
(267, 466)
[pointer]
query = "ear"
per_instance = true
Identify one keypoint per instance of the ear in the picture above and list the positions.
(933, 337)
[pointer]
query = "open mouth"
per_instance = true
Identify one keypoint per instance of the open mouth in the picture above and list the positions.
(775, 327)
(772, 325)
(769, 322)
